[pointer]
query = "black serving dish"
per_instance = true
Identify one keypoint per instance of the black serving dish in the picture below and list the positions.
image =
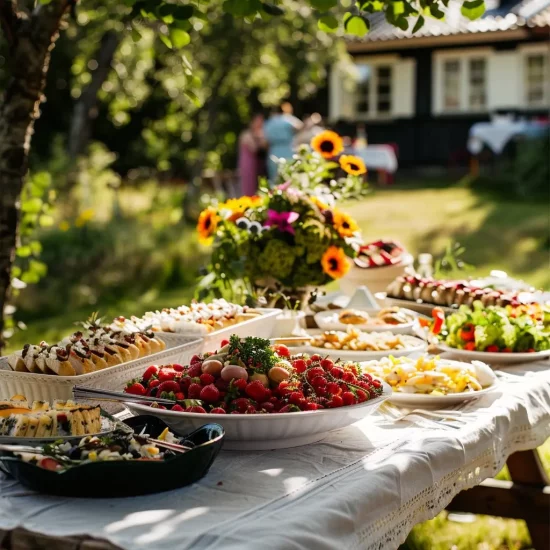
(125, 478)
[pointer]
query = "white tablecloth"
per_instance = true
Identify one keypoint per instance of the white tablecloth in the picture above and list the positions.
(365, 486)
(378, 157)
(494, 134)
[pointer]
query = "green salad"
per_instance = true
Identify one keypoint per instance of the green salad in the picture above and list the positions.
(496, 329)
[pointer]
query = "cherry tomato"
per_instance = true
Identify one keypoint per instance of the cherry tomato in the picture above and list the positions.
(492, 349)
(468, 333)
(470, 346)
(281, 350)
(439, 319)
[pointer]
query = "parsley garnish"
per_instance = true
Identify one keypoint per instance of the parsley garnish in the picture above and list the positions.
(255, 353)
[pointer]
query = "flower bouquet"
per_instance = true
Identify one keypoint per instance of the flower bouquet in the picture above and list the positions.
(292, 236)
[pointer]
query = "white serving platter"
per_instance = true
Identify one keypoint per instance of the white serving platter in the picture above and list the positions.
(328, 320)
(49, 387)
(419, 400)
(492, 358)
(261, 326)
(269, 431)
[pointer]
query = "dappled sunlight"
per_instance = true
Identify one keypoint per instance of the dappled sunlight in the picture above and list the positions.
(295, 485)
(272, 472)
(138, 518)
(168, 526)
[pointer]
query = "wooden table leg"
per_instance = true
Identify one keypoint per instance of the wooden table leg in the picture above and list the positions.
(526, 497)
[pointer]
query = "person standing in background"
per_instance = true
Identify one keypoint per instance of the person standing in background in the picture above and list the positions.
(312, 126)
(251, 145)
(279, 132)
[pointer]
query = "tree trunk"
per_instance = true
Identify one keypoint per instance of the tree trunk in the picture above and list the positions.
(31, 39)
(85, 110)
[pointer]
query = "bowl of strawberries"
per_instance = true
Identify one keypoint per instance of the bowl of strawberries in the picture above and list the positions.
(262, 395)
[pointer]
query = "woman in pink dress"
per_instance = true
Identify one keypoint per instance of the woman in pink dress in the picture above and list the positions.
(251, 145)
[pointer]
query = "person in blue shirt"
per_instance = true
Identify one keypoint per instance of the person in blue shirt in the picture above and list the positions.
(279, 133)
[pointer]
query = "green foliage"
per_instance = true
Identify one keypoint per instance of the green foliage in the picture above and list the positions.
(473, 9)
(451, 264)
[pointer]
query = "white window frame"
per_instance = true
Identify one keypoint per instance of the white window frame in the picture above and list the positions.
(374, 62)
(525, 51)
(463, 56)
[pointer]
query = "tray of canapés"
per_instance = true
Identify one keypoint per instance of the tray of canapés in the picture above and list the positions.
(263, 396)
(139, 456)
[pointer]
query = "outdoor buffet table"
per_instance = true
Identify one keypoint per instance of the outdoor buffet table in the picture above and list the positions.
(364, 486)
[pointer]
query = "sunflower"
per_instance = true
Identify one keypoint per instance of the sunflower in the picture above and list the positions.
(237, 207)
(335, 263)
(207, 224)
(345, 224)
(319, 203)
(352, 165)
(328, 144)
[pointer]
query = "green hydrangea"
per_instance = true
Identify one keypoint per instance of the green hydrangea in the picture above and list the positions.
(311, 242)
(277, 259)
(308, 275)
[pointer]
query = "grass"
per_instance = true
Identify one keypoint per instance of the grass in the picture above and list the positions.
(498, 233)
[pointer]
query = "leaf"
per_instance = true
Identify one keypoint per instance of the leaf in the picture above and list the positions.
(40, 269)
(136, 35)
(179, 38)
(32, 206)
(419, 24)
(323, 5)
(241, 8)
(166, 40)
(24, 251)
(398, 7)
(30, 278)
(16, 271)
(402, 22)
(356, 24)
(36, 247)
(193, 97)
(272, 9)
(473, 9)
(328, 23)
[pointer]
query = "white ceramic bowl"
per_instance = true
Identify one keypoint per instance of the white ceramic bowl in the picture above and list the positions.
(328, 320)
(269, 431)
(495, 358)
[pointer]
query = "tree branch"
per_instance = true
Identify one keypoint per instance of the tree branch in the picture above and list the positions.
(8, 19)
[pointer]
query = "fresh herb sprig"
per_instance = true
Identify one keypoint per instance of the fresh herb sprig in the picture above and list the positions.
(254, 352)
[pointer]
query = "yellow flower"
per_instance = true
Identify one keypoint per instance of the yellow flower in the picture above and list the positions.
(345, 224)
(238, 207)
(352, 165)
(319, 204)
(207, 224)
(84, 217)
(64, 226)
(328, 144)
(335, 263)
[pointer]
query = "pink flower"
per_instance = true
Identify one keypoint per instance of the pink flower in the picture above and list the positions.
(281, 220)
(284, 186)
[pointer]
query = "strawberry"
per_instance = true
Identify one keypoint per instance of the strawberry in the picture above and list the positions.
(224, 343)
(210, 393)
(153, 383)
(180, 396)
(315, 371)
(337, 372)
(299, 365)
(178, 408)
(281, 350)
(255, 390)
(195, 359)
(312, 406)
(168, 386)
(217, 410)
(185, 382)
(177, 367)
(135, 389)
(195, 409)
(336, 401)
(315, 357)
(333, 388)
(319, 382)
(348, 398)
(240, 404)
(194, 391)
(267, 407)
(288, 409)
(166, 374)
(327, 364)
(206, 379)
(150, 372)
(221, 384)
(195, 370)
(362, 396)
(240, 384)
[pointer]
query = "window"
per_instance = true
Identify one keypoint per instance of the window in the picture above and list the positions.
(536, 80)
(460, 82)
(374, 90)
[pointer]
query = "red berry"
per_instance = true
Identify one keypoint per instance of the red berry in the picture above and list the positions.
(210, 393)
(221, 384)
(178, 408)
(348, 398)
(135, 389)
(281, 350)
(300, 365)
(315, 357)
(185, 382)
(150, 372)
(195, 409)
(153, 383)
(241, 404)
(217, 410)
(267, 407)
(311, 406)
(337, 372)
(194, 391)
(319, 382)
(168, 386)
(361, 396)
(240, 384)
(206, 379)
(195, 370)
(224, 343)
(376, 383)
(250, 410)
(296, 398)
(336, 401)
(349, 377)
(195, 359)
(161, 407)
(333, 388)
(315, 371)
(180, 396)
(367, 376)
(327, 364)
(177, 367)
(256, 391)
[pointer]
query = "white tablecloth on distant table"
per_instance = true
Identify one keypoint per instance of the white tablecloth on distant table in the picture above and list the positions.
(364, 486)
(495, 134)
(378, 157)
